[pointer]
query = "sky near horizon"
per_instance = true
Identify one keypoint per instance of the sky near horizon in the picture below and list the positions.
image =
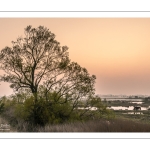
(116, 50)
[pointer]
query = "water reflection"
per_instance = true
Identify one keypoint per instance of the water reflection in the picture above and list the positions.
(125, 108)
(90, 108)
(137, 102)
(133, 113)
(121, 99)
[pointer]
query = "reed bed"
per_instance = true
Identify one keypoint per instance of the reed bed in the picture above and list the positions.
(115, 125)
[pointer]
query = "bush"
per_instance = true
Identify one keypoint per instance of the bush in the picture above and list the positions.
(50, 111)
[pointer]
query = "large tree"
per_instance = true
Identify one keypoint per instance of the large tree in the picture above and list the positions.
(36, 60)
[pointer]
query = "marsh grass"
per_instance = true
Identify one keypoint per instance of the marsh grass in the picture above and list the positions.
(101, 125)
(114, 125)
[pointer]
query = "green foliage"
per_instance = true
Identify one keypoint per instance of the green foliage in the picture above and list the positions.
(53, 111)
(19, 112)
(37, 62)
(94, 108)
(1, 106)
(50, 88)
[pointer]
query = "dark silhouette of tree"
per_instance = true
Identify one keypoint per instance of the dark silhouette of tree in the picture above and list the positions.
(38, 60)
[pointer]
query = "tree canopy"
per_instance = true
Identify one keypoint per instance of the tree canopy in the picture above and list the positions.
(38, 63)
(39, 59)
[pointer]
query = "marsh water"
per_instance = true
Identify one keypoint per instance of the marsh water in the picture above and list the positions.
(123, 99)
(137, 102)
(129, 101)
(125, 108)
(125, 104)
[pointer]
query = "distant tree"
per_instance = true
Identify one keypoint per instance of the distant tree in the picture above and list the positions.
(39, 60)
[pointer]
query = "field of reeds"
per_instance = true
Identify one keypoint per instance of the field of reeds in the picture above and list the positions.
(113, 125)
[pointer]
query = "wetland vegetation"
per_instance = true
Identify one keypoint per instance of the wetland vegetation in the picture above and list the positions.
(115, 120)
(54, 94)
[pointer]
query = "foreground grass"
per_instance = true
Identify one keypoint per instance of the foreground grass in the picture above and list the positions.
(113, 125)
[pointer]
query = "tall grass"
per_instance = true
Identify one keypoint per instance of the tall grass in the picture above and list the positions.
(113, 125)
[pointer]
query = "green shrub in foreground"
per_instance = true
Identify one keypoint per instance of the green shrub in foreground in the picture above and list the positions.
(52, 112)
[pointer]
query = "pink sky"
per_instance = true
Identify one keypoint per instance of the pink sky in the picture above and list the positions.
(116, 50)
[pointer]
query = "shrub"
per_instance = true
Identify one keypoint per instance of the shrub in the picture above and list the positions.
(51, 111)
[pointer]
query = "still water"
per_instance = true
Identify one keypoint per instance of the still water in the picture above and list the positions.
(114, 108)
(137, 102)
(121, 99)
(125, 108)
(133, 113)
(90, 108)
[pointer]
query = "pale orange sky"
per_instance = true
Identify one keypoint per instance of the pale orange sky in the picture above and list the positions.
(116, 50)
